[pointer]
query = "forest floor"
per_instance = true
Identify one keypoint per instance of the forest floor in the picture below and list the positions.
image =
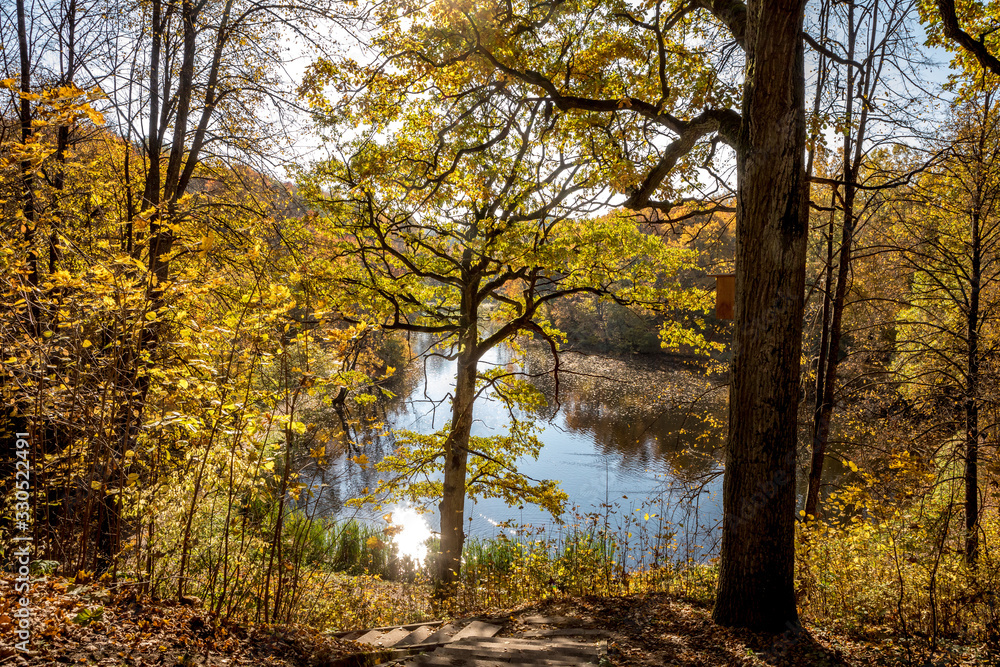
(94, 624)
(90, 624)
(659, 630)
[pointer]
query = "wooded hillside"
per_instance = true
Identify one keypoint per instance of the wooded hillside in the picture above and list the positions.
(204, 323)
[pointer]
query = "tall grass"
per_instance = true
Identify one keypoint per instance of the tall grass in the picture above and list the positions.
(350, 546)
(595, 553)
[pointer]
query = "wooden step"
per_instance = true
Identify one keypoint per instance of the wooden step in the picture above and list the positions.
(391, 638)
(443, 635)
(476, 629)
(438, 660)
(499, 646)
(370, 637)
(442, 660)
(418, 636)
(448, 634)
(354, 634)
(567, 632)
(508, 651)
(538, 619)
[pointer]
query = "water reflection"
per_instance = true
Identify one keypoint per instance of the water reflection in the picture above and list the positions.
(612, 442)
(410, 533)
(642, 437)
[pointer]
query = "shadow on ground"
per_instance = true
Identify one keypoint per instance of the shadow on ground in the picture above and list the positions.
(662, 631)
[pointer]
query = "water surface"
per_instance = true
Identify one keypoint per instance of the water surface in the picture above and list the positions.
(619, 446)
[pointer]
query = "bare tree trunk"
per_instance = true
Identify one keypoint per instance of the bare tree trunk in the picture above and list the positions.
(756, 575)
(826, 380)
(151, 192)
(161, 238)
(456, 456)
(27, 181)
(972, 400)
(62, 134)
(862, 86)
(824, 342)
(824, 413)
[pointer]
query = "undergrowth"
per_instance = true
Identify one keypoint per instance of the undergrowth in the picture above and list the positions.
(895, 565)
(886, 562)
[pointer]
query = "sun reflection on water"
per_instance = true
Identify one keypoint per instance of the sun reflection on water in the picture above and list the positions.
(411, 540)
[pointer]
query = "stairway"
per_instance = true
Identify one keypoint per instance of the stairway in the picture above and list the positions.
(507, 651)
(418, 637)
(475, 644)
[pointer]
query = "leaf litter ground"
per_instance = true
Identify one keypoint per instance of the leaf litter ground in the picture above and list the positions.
(93, 624)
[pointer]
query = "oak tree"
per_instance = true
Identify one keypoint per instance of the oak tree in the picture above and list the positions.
(662, 97)
(464, 224)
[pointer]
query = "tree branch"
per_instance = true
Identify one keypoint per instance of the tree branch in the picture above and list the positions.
(819, 48)
(732, 14)
(952, 29)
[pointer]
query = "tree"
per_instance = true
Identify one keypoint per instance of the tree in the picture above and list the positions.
(947, 334)
(184, 84)
(468, 239)
(979, 17)
(53, 42)
(868, 116)
(650, 105)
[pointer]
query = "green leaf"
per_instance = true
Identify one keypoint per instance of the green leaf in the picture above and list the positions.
(88, 616)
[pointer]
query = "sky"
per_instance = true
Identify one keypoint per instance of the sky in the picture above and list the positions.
(306, 146)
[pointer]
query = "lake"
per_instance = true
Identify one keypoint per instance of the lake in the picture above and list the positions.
(626, 438)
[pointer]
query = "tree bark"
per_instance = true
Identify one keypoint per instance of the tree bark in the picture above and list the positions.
(27, 180)
(456, 456)
(972, 399)
(756, 575)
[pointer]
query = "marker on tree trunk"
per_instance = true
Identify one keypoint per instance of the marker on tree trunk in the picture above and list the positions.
(725, 295)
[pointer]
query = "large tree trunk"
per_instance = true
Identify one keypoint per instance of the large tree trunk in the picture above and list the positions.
(756, 575)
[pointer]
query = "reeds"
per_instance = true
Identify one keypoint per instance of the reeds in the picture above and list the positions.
(602, 552)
